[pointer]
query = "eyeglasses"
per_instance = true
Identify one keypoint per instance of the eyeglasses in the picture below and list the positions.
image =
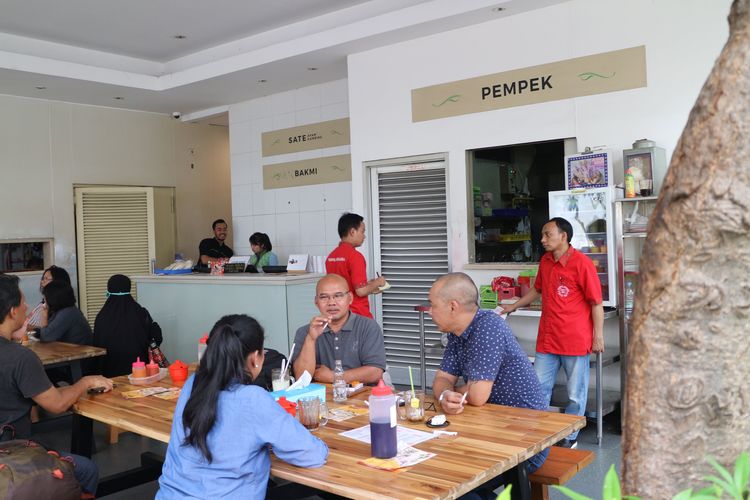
(337, 297)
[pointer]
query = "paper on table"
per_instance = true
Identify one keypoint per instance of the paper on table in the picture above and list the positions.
(405, 435)
(142, 393)
(169, 395)
(345, 413)
(407, 456)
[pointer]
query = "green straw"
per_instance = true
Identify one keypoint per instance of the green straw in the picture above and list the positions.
(411, 379)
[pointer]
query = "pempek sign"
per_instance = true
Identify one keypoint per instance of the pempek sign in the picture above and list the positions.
(595, 74)
(308, 172)
(306, 137)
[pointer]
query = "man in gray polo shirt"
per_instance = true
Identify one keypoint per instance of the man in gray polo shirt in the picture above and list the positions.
(338, 333)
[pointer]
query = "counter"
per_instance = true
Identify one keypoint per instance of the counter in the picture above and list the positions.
(186, 306)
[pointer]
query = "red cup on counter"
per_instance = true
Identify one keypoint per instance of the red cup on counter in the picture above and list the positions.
(178, 371)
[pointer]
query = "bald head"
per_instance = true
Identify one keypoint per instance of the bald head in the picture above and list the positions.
(332, 279)
(458, 287)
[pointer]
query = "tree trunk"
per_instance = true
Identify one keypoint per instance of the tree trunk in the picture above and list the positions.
(688, 388)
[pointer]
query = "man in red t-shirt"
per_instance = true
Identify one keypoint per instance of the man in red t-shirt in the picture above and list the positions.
(572, 322)
(346, 261)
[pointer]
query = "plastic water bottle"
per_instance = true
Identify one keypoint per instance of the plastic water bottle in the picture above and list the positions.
(629, 300)
(339, 384)
(383, 421)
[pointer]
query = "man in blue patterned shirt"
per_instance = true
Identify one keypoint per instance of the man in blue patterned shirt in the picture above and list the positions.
(483, 351)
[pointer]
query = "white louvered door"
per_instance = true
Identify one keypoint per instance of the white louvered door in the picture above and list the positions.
(115, 235)
(410, 247)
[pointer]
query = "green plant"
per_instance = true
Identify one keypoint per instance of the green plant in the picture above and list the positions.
(736, 486)
(505, 494)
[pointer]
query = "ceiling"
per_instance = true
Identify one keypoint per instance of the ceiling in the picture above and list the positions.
(196, 57)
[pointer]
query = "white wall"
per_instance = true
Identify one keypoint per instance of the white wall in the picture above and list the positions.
(300, 219)
(46, 147)
(682, 39)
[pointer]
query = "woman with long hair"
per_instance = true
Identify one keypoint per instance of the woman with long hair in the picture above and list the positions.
(124, 328)
(52, 273)
(61, 320)
(261, 246)
(223, 425)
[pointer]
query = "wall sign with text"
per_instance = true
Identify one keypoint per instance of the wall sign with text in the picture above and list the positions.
(306, 137)
(308, 172)
(595, 74)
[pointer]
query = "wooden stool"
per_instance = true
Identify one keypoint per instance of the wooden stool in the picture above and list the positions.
(561, 465)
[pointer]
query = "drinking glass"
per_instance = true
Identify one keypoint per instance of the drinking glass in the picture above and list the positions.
(278, 380)
(413, 408)
(312, 412)
(646, 186)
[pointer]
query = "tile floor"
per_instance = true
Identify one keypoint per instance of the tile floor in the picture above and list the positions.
(126, 454)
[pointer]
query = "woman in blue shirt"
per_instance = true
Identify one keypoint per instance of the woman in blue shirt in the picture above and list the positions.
(261, 246)
(223, 426)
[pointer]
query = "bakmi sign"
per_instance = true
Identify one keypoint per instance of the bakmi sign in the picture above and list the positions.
(308, 172)
(595, 74)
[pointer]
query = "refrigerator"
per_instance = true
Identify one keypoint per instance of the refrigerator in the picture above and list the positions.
(590, 212)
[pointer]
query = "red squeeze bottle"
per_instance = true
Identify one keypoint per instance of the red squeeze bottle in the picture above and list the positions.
(139, 369)
(152, 368)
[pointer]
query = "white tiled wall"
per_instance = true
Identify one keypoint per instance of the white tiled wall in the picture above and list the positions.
(301, 219)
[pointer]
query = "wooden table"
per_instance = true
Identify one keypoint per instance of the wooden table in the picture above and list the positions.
(491, 440)
(54, 354)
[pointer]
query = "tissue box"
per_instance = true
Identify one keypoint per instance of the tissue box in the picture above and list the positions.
(311, 390)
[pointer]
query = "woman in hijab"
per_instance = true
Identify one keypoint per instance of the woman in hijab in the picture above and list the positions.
(124, 328)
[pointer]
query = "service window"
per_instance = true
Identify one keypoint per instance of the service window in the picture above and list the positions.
(17, 256)
(509, 196)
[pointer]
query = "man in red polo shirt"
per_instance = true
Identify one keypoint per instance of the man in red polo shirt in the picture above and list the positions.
(572, 322)
(346, 261)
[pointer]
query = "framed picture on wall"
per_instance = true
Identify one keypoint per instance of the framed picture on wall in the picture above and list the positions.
(588, 170)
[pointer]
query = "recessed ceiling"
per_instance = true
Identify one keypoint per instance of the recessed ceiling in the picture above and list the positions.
(92, 51)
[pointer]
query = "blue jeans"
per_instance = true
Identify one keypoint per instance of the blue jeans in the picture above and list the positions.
(577, 374)
(85, 471)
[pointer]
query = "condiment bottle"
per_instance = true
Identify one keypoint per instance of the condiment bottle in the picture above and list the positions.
(202, 345)
(139, 369)
(383, 421)
(152, 368)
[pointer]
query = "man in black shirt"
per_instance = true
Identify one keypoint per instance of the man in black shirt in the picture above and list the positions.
(23, 380)
(214, 248)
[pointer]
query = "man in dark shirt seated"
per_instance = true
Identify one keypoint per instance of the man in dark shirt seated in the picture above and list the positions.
(338, 333)
(24, 382)
(483, 351)
(214, 248)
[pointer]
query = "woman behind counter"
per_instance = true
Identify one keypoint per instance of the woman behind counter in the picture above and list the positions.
(260, 244)
(223, 426)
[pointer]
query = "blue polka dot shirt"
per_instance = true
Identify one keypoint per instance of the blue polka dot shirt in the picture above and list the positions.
(487, 350)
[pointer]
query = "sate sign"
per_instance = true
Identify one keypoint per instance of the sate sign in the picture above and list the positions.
(596, 74)
(306, 137)
(308, 172)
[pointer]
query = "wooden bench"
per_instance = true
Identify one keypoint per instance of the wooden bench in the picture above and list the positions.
(561, 465)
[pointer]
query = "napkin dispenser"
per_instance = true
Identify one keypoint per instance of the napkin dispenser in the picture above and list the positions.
(294, 394)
